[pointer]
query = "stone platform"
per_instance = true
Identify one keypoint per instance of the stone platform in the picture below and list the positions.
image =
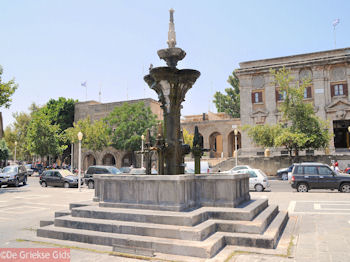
(144, 215)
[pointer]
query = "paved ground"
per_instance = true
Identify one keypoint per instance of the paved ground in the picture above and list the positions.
(320, 223)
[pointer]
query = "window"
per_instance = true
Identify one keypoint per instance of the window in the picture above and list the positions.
(298, 170)
(310, 170)
(252, 174)
(322, 170)
(257, 97)
(280, 96)
(339, 90)
(307, 92)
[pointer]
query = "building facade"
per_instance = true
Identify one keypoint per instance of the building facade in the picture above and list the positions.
(96, 111)
(329, 72)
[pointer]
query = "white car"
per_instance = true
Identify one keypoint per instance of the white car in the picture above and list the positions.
(258, 180)
(236, 169)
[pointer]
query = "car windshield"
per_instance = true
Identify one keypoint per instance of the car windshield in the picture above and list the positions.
(28, 166)
(262, 173)
(66, 172)
(10, 169)
(114, 170)
(239, 168)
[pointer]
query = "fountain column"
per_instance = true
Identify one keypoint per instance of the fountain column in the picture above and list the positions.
(171, 85)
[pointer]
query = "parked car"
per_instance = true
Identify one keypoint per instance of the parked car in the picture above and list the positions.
(283, 172)
(29, 169)
(258, 180)
(125, 169)
(237, 169)
(38, 168)
(189, 167)
(92, 170)
(59, 177)
(13, 175)
(137, 171)
(308, 176)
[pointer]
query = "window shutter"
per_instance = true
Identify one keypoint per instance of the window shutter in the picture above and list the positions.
(332, 90)
(345, 89)
(276, 92)
(308, 91)
(253, 98)
(260, 96)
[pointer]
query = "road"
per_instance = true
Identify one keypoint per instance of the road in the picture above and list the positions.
(322, 230)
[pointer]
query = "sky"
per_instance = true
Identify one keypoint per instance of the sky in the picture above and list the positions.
(51, 47)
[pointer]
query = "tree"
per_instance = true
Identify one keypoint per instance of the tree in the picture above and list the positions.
(188, 138)
(127, 123)
(4, 151)
(95, 135)
(43, 138)
(17, 131)
(229, 103)
(300, 128)
(6, 91)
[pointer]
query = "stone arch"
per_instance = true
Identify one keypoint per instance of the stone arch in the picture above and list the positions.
(127, 159)
(109, 160)
(305, 74)
(338, 74)
(89, 160)
(215, 144)
(231, 143)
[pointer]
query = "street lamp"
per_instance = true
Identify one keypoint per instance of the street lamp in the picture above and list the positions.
(71, 158)
(15, 150)
(142, 139)
(236, 133)
(80, 137)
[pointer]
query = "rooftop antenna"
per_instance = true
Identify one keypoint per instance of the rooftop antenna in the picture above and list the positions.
(100, 93)
(85, 85)
(335, 23)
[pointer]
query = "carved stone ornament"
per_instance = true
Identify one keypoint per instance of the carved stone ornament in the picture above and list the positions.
(259, 116)
(338, 74)
(258, 82)
(305, 74)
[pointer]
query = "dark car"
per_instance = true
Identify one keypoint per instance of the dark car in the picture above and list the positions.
(92, 170)
(283, 173)
(308, 176)
(59, 177)
(13, 175)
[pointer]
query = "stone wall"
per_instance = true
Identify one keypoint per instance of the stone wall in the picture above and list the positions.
(270, 165)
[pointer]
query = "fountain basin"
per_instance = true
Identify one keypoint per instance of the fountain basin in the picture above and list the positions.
(171, 192)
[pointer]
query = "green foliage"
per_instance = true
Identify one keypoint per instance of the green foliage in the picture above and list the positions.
(60, 112)
(6, 91)
(95, 135)
(263, 135)
(43, 138)
(4, 151)
(229, 103)
(18, 132)
(188, 138)
(301, 128)
(127, 123)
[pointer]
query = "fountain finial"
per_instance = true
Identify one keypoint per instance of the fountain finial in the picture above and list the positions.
(171, 34)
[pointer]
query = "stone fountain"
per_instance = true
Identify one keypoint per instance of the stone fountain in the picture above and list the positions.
(172, 213)
(171, 85)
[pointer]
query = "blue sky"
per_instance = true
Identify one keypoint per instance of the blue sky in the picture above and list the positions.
(51, 47)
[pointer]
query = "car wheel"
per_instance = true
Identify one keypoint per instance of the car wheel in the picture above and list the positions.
(17, 183)
(259, 188)
(43, 184)
(66, 185)
(345, 188)
(91, 185)
(284, 176)
(25, 181)
(302, 187)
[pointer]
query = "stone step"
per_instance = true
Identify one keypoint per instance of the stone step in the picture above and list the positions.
(203, 249)
(190, 218)
(198, 232)
(62, 213)
(268, 239)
